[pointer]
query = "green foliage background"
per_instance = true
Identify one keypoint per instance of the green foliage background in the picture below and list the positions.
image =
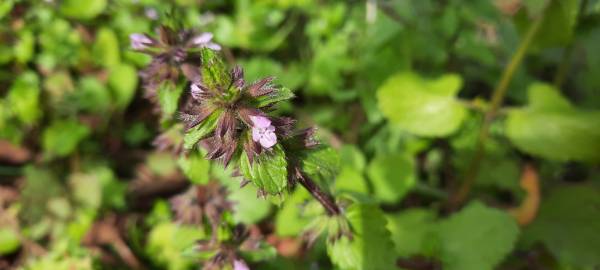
(403, 90)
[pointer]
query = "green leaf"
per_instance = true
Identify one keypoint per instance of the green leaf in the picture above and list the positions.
(349, 179)
(558, 24)
(293, 217)
(123, 81)
(268, 171)
(105, 51)
(23, 98)
(351, 156)
(477, 238)
(370, 246)
(167, 243)
(535, 7)
(161, 163)
(281, 94)
(568, 225)
(168, 98)
(321, 163)
(413, 231)
(392, 176)
(92, 95)
(247, 207)
(24, 49)
(5, 7)
(9, 241)
(214, 72)
(62, 137)
(202, 130)
(83, 10)
(195, 167)
(550, 120)
(421, 106)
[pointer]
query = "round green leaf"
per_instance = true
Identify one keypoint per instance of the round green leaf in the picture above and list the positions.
(421, 106)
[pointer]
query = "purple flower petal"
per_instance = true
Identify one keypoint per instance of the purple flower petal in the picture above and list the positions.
(260, 121)
(202, 39)
(240, 265)
(140, 41)
(213, 46)
(268, 140)
(263, 132)
(196, 91)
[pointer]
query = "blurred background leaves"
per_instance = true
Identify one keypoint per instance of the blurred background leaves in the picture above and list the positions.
(399, 88)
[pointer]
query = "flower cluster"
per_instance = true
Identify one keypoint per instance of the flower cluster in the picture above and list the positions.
(238, 120)
(172, 53)
(229, 117)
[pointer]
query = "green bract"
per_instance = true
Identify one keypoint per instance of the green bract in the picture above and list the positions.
(268, 171)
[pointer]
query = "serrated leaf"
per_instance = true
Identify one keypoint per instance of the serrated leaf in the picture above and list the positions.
(202, 130)
(62, 137)
(268, 171)
(477, 238)
(551, 121)
(568, 225)
(370, 246)
(214, 72)
(421, 106)
(392, 176)
(123, 82)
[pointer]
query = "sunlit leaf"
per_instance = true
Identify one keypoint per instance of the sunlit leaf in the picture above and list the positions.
(550, 120)
(422, 106)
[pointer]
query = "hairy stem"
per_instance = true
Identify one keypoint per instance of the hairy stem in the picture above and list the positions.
(497, 99)
(325, 199)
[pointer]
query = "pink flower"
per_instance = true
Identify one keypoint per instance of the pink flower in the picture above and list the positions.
(263, 132)
(204, 41)
(240, 265)
(196, 91)
(140, 41)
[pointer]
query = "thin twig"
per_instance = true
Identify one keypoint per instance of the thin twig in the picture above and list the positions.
(497, 99)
